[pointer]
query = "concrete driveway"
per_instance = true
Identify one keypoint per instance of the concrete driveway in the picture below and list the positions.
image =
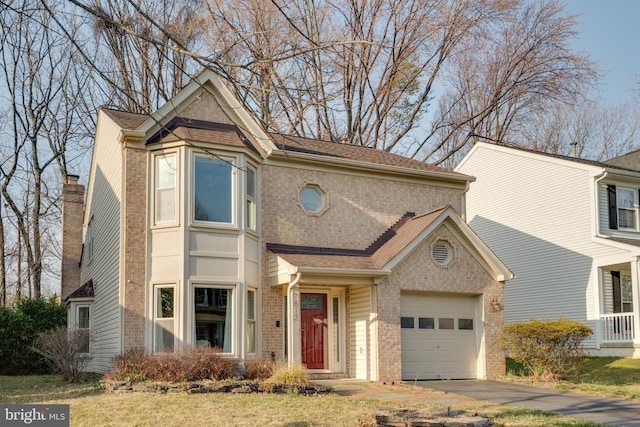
(597, 409)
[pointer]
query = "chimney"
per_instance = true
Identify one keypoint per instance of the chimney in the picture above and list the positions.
(573, 149)
(72, 217)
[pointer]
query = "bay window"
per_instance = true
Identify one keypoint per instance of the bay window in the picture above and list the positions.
(251, 321)
(212, 190)
(165, 188)
(83, 327)
(163, 331)
(251, 198)
(213, 314)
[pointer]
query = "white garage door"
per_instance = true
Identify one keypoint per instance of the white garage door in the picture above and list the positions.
(438, 337)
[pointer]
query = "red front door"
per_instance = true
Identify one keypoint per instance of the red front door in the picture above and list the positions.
(313, 310)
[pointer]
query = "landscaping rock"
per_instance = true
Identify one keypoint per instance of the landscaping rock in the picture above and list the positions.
(414, 418)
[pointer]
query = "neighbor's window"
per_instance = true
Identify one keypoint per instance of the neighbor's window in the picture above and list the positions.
(213, 314)
(627, 208)
(251, 321)
(251, 198)
(89, 240)
(213, 190)
(83, 326)
(163, 336)
(165, 188)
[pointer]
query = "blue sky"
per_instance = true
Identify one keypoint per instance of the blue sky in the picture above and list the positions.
(610, 33)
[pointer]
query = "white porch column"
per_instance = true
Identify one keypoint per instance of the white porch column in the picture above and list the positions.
(635, 286)
(294, 342)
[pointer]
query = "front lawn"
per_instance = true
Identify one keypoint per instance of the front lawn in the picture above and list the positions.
(603, 376)
(91, 406)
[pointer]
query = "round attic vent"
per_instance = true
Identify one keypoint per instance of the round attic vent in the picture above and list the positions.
(441, 252)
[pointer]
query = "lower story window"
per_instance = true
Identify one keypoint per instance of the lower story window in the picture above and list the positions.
(251, 321)
(213, 314)
(163, 331)
(83, 327)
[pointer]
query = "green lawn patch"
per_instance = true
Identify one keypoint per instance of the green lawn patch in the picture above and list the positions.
(604, 376)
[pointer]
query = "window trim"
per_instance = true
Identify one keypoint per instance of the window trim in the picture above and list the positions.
(614, 208)
(230, 304)
(176, 189)
(324, 199)
(251, 205)
(634, 209)
(77, 327)
(154, 340)
(252, 321)
(89, 240)
(232, 162)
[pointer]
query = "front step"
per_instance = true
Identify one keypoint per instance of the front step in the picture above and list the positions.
(316, 376)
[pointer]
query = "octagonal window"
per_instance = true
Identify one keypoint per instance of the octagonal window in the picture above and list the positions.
(313, 199)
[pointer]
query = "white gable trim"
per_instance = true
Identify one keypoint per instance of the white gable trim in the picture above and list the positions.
(209, 81)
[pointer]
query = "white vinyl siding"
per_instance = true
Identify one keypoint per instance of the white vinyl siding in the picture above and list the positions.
(361, 333)
(536, 213)
(104, 196)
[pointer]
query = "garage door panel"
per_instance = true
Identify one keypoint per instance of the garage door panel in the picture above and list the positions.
(438, 353)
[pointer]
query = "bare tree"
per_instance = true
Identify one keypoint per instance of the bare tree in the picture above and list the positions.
(42, 91)
(500, 80)
(141, 43)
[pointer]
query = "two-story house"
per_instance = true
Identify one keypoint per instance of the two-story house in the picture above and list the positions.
(570, 230)
(203, 230)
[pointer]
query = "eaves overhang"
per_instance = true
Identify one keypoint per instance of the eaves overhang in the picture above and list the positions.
(336, 161)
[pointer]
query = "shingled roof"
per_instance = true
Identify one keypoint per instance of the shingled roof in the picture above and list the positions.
(374, 257)
(181, 128)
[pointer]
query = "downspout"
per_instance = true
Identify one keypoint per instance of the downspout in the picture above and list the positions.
(292, 308)
(463, 202)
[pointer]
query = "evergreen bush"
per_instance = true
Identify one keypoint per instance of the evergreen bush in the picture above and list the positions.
(550, 348)
(19, 327)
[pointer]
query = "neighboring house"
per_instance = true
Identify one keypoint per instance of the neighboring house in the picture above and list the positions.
(569, 229)
(203, 230)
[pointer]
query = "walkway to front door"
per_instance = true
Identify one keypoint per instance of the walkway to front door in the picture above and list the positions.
(313, 310)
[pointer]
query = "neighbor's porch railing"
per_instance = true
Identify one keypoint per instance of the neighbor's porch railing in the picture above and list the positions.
(617, 327)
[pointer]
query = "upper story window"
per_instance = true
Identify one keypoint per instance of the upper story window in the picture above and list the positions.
(251, 198)
(212, 189)
(623, 207)
(89, 240)
(313, 199)
(165, 188)
(627, 208)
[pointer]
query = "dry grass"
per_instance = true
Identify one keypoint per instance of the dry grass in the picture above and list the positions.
(90, 406)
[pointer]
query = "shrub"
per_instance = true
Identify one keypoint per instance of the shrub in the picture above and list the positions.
(258, 368)
(294, 376)
(19, 327)
(131, 366)
(550, 349)
(193, 364)
(64, 351)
